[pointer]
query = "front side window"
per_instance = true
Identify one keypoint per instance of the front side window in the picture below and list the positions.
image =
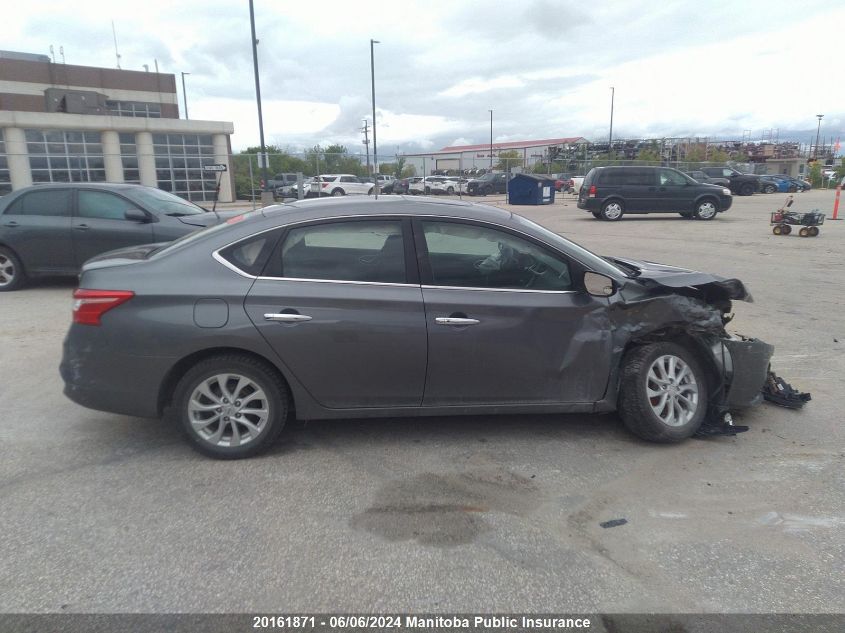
(103, 205)
(473, 256)
(669, 177)
(366, 251)
(55, 203)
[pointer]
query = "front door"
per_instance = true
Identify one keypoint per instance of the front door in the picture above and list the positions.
(99, 225)
(340, 305)
(676, 193)
(506, 324)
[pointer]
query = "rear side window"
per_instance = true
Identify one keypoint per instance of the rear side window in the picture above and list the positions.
(53, 203)
(251, 254)
(352, 250)
(633, 176)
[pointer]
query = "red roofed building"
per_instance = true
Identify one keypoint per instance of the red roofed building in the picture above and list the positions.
(479, 156)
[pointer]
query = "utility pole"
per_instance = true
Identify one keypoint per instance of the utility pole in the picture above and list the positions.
(818, 129)
(491, 139)
(366, 131)
(373, 82)
(610, 141)
(264, 175)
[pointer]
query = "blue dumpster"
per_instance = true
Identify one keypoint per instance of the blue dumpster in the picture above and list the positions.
(531, 189)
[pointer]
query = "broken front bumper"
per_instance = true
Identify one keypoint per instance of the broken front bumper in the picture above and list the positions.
(745, 363)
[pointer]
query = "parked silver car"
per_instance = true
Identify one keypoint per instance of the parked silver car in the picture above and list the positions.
(342, 308)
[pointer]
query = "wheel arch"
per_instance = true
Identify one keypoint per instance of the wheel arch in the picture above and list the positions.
(707, 196)
(175, 373)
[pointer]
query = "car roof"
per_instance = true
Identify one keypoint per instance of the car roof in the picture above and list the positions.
(114, 186)
(320, 208)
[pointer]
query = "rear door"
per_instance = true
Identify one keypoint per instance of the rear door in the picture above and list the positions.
(37, 226)
(636, 185)
(99, 224)
(341, 305)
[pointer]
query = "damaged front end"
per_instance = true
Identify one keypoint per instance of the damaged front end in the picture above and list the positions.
(668, 303)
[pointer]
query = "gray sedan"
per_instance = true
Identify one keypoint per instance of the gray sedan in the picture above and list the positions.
(399, 307)
(53, 229)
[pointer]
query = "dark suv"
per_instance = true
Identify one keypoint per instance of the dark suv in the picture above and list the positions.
(610, 192)
(741, 184)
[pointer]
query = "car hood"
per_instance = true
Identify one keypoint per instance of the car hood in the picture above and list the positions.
(207, 219)
(653, 275)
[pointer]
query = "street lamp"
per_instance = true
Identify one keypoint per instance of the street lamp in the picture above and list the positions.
(610, 141)
(491, 139)
(818, 129)
(375, 144)
(185, 94)
(263, 161)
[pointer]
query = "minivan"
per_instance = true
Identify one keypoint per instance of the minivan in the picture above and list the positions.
(611, 192)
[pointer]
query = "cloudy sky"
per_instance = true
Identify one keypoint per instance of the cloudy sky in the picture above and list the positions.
(545, 67)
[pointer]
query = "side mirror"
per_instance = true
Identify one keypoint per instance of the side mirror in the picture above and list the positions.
(136, 215)
(599, 285)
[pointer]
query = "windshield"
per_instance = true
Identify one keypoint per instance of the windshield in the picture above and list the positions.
(163, 203)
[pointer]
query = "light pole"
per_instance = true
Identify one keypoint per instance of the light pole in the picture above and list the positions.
(185, 94)
(373, 82)
(491, 139)
(818, 129)
(610, 141)
(264, 175)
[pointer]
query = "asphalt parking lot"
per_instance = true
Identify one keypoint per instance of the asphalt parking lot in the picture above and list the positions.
(103, 513)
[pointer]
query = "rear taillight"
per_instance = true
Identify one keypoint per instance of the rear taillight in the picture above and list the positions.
(325, 184)
(90, 305)
(592, 192)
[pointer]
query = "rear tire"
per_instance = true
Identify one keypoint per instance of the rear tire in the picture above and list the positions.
(663, 392)
(12, 273)
(746, 190)
(231, 406)
(612, 210)
(338, 192)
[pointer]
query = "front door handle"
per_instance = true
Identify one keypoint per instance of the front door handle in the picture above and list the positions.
(286, 317)
(12, 224)
(455, 321)
(82, 227)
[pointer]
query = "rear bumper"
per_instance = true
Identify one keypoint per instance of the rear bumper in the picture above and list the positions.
(99, 378)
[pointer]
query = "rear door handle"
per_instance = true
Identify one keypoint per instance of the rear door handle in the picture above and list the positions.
(455, 321)
(286, 317)
(82, 227)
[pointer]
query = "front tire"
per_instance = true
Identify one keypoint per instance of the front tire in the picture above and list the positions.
(705, 210)
(612, 210)
(12, 274)
(663, 392)
(769, 189)
(231, 406)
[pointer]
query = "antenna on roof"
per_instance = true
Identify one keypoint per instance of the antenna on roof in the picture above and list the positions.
(114, 34)
(62, 53)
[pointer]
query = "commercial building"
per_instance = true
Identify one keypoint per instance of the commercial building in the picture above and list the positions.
(482, 156)
(66, 123)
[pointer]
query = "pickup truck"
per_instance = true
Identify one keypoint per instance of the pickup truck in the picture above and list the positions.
(739, 183)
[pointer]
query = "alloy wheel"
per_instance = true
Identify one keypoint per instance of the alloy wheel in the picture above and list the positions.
(672, 390)
(7, 271)
(228, 410)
